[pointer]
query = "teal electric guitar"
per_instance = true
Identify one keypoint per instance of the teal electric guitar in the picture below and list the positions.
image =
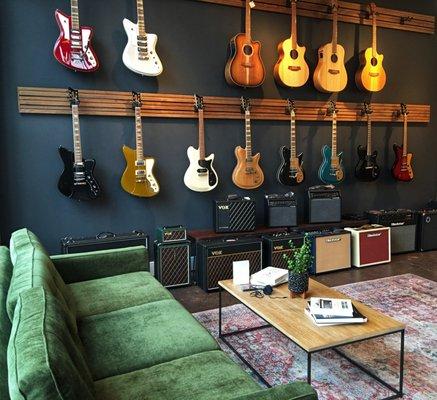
(332, 171)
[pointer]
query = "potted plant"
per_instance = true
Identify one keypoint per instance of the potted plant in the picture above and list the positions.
(299, 263)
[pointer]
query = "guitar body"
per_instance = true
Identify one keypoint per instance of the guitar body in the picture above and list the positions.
(151, 66)
(366, 170)
(142, 184)
(83, 59)
(200, 175)
(245, 67)
(331, 171)
(88, 189)
(371, 74)
(247, 175)
(290, 175)
(291, 69)
(402, 170)
(330, 74)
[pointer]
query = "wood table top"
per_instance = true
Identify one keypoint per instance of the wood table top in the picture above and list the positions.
(288, 316)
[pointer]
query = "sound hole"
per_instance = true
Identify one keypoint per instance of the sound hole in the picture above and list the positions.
(334, 58)
(294, 54)
(373, 61)
(247, 49)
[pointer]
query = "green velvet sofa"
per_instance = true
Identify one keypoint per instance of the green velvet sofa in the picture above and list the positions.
(99, 326)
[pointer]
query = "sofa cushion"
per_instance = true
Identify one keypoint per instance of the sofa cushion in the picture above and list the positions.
(139, 337)
(103, 295)
(44, 359)
(33, 268)
(209, 375)
(5, 324)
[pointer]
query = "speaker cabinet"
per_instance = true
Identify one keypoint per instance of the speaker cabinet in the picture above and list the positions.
(172, 263)
(281, 210)
(370, 245)
(275, 246)
(215, 258)
(403, 239)
(234, 215)
(324, 205)
(331, 251)
(427, 230)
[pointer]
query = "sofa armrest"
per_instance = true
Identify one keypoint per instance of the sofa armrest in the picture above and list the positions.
(100, 264)
(290, 391)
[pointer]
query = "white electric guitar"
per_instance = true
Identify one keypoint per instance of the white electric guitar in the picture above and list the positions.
(200, 175)
(139, 54)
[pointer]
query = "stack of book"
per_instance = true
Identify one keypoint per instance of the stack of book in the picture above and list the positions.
(326, 312)
(269, 276)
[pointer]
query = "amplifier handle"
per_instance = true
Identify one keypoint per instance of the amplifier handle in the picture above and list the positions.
(104, 235)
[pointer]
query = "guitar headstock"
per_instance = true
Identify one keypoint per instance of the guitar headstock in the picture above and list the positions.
(136, 100)
(73, 96)
(373, 10)
(245, 104)
(291, 108)
(332, 108)
(367, 108)
(334, 6)
(198, 103)
(404, 109)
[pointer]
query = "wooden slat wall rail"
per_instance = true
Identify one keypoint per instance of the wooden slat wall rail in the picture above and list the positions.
(33, 100)
(348, 12)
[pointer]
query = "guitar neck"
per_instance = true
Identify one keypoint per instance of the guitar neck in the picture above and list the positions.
(201, 135)
(374, 35)
(77, 144)
(139, 134)
(405, 141)
(248, 21)
(75, 25)
(334, 134)
(140, 17)
(248, 137)
(292, 137)
(369, 135)
(293, 25)
(334, 30)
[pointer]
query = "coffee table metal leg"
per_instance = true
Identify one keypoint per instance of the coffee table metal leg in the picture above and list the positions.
(401, 365)
(309, 368)
(220, 312)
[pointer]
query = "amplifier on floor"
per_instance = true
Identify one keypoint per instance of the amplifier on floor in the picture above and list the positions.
(370, 245)
(170, 234)
(324, 204)
(172, 263)
(104, 241)
(281, 210)
(275, 246)
(427, 230)
(403, 224)
(236, 214)
(214, 259)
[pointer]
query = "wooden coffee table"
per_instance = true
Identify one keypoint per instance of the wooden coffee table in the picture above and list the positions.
(288, 317)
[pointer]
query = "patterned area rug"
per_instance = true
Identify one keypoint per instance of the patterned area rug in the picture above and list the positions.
(408, 298)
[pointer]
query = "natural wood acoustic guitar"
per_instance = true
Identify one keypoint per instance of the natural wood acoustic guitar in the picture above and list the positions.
(402, 169)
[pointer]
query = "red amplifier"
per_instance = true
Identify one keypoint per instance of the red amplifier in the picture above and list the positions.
(370, 245)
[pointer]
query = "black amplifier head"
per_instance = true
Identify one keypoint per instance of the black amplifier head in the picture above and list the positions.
(394, 217)
(280, 200)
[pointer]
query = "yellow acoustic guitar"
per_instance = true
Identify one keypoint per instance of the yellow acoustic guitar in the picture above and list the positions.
(138, 178)
(291, 69)
(371, 75)
(330, 74)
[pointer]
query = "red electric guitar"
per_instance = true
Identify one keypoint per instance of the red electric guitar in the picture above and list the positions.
(402, 170)
(73, 48)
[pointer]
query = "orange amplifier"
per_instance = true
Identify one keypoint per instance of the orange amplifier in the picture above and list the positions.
(370, 245)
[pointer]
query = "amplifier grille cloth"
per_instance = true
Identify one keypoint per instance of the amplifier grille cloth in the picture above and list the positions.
(174, 265)
(171, 236)
(241, 216)
(278, 259)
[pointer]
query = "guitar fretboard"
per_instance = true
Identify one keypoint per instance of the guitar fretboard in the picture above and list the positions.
(293, 25)
(405, 141)
(76, 134)
(248, 137)
(292, 136)
(75, 25)
(201, 135)
(334, 29)
(334, 134)
(369, 135)
(248, 21)
(140, 18)
(139, 134)
(374, 35)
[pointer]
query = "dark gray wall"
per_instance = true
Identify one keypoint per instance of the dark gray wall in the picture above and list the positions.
(193, 41)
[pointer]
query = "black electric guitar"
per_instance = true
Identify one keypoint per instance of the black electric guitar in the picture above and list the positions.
(290, 171)
(77, 180)
(367, 170)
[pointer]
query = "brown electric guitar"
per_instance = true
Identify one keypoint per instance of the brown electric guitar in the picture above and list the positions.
(247, 173)
(138, 178)
(291, 69)
(371, 75)
(402, 169)
(330, 74)
(245, 67)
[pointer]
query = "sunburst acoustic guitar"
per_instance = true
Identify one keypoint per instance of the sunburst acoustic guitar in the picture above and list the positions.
(402, 169)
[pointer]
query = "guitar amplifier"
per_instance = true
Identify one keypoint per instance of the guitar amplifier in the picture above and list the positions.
(169, 234)
(370, 245)
(104, 241)
(324, 204)
(275, 246)
(236, 214)
(403, 224)
(427, 230)
(172, 263)
(215, 258)
(281, 210)
(331, 250)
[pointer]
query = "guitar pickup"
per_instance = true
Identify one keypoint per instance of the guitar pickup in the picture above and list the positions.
(140, 172)
(334, 71)
(140, 163)
(373, 74)
(202, 171)
(294, 68)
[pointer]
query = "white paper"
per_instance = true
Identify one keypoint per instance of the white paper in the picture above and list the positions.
(241, 274)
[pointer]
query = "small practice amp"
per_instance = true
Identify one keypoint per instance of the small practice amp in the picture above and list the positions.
(370, 245)
(214, 259)
(236, 214)
(104, 241)
(427, 231)
(324, 204)
(169, 234)
(281, 210)
(331, 250)
(275, 246)
(172, 263)
(403, 224)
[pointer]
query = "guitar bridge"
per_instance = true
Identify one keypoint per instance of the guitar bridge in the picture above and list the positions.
(373, 74)
(294, 68)
(334, 71)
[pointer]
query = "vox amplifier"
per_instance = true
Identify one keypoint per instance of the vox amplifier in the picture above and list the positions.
(236, 214)
(324, 204)
(331, 250)
(169, 234)
(403, 224)
(427, 230)
(275, 246)
(172, 263)
(281, 210)
(215, 258)
(370, 245)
